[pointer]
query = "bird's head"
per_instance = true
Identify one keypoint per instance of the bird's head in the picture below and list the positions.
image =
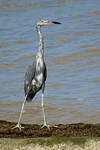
(46, 22)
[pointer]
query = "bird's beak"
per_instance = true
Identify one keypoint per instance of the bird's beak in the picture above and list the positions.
(55, 22)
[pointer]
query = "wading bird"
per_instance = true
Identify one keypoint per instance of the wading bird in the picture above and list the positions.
(36, 74)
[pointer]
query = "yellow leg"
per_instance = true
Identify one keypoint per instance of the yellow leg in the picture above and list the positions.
(44, 118)
(18, 124)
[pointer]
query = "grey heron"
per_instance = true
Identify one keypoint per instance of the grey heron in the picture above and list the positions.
(36, 74)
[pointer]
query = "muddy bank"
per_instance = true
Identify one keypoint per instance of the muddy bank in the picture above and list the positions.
(34, 130)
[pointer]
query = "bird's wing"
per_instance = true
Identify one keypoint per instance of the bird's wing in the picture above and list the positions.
(29, 75)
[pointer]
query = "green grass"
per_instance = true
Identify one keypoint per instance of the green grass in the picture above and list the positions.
(56, 140)
(11, 144)
(47, 141)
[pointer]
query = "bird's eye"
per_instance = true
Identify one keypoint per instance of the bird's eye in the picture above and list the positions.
(42, 20)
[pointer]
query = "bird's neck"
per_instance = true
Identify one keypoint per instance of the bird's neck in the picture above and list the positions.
(41, 44)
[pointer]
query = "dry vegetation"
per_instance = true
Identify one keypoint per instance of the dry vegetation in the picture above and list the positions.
(19, 144)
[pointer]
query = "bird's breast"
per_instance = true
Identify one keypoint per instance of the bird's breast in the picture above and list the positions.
(39, 77)
(39, 64)
(37, 81)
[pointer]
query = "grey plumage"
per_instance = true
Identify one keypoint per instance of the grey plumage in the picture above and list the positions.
(36, 74)
(31, 75)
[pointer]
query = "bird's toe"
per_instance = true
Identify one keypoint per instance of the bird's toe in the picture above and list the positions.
(19, 126)
(46, 125)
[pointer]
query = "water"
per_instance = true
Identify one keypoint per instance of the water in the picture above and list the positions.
(72, 55)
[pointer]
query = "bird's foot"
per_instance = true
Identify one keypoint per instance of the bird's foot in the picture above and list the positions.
(46, 125)
(55, 126)
(19, 126)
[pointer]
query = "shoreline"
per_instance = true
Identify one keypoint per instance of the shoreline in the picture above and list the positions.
(62, 130)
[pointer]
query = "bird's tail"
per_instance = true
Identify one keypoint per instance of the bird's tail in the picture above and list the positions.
(30, 96)
(29, 99)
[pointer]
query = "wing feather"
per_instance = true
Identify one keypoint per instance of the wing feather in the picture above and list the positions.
(29, 76)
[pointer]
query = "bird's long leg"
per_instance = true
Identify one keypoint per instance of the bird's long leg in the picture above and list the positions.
(43, 111)
(18, 124)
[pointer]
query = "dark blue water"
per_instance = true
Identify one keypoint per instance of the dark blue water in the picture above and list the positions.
(72, 55)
